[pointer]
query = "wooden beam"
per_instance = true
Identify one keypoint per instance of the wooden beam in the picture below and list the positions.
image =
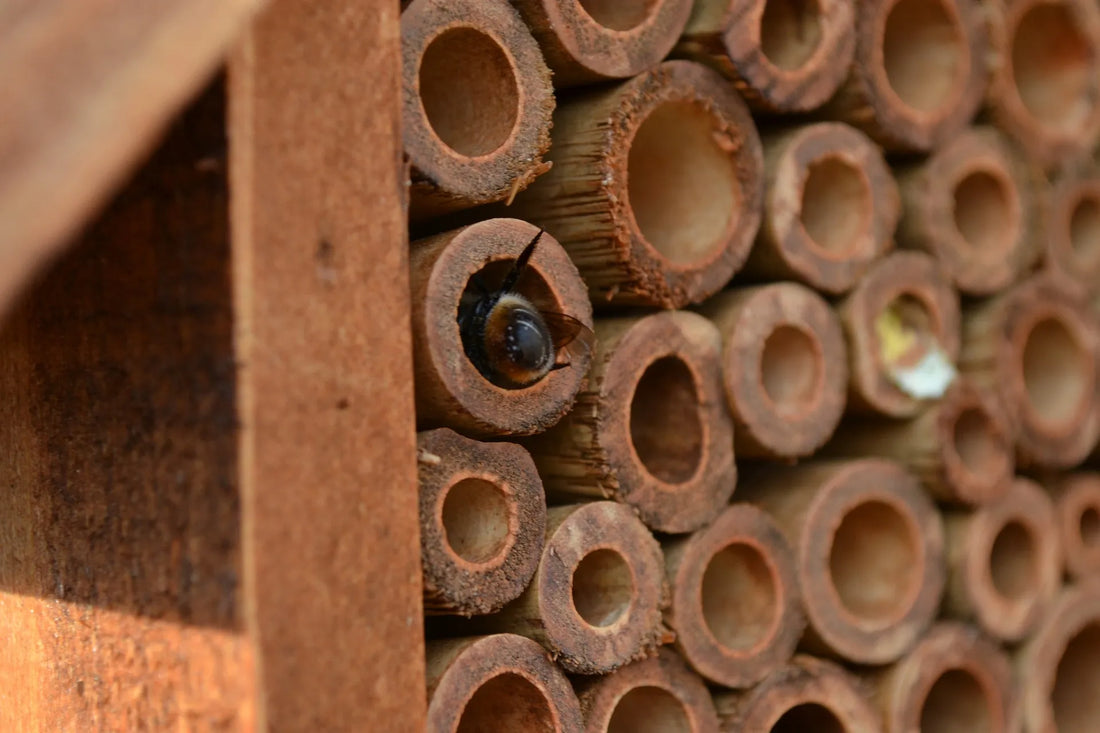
(328, 474)
(88, 87)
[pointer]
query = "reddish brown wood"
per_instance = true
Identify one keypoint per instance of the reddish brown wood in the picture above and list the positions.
(868, 548)
(961, 446)
(807, 694)
(1045, 91)
(917, 292)
(1004, 562)
(1038, 346)
(658, 694)
(953, 679)
(920, 71)
(449, 388)
(973, 206)
(595, 602)
(736, 609)
(1072, 236)
(830, 207)
(322, 335)
(1077, 509)
(121, 605)
(477, 103)
(588, 41)
(482, 521)
(1059, 666)
(498, 682)
(784, 365)
(656, 187)
(651, 427)
(782, 55)
(88, 88)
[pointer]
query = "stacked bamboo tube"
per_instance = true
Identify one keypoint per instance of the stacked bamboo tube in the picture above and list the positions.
(822, 450)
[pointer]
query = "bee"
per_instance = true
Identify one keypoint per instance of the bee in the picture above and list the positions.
(510, 341)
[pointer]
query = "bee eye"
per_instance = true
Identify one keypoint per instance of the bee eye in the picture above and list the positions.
(527, 340)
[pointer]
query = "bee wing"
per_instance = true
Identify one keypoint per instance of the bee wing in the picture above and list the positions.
(568, 331)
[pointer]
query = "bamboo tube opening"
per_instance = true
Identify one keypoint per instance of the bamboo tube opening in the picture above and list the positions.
(984, 212)
(957, 702)
(671, 447)
(681, 184)
(1084, 230)
(649, 709)
(1057, 373)
(1075, 700)
(1089, 527)
(978, 442)
(1053, 66)
(809, 716)
(790, 32)
(791, 368)
(469, 92)
(477, 520)
(836, 206)
(924, 54)
(739, 597)
(603, 587)
(619, 15)
(1013, 563)
(875, 562)
(507, 702)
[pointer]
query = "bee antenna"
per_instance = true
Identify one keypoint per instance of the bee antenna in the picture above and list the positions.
(560, 365)
(521, 264)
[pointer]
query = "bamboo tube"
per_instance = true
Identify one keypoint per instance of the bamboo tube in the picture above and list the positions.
(960, 447)
(1004, 563)
(1045, 92)
(657, 695)
(972, 206)
(1073, 227)
(595, 602)
(736, 609)
(829, 209)
(656, 187)
(477, 103)
(809, 694)
(588, 41)
(920, 71)
(450, 391)
(651, 427)
(1037, 346)
(482, 520)
(1059, 667)
(784, 367)
(905, 299)
(782, 55)
(498, 682)
(954, 679)
(1077, 511)
(868, 548)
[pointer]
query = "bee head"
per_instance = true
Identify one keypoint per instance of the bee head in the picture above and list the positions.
(518, 344)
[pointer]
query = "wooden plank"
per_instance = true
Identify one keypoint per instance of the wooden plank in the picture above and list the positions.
(120, 539)
(88, 85)
(322, 321)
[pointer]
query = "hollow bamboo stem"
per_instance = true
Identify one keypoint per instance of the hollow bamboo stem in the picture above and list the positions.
(830, 207)
(784, 366)
(736, 609)
(450, 390)
(868, 548)
(477, 104)
(1077, 510)
(656, 187)
(482, 521)
(651, 427)
(589, 41)
(783, 56)
(1073, 227)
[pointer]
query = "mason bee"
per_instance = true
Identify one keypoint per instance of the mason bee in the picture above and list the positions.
(510, 341)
